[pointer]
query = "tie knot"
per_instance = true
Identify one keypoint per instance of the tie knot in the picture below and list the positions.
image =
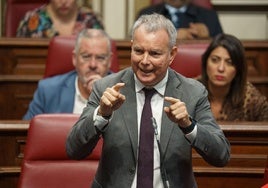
(149, 92)
(176, 19)
(178, 13)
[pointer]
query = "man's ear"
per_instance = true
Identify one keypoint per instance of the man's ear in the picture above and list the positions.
(131, 43)
(74, 58)
(110, 60)
(173, 54)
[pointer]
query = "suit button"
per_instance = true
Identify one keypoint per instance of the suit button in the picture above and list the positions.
(132, 170)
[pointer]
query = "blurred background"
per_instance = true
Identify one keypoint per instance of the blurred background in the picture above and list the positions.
(246, 19)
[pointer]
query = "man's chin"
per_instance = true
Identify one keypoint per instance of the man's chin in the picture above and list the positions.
(145, 80)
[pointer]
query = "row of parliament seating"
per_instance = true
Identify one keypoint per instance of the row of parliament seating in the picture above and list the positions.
(59, 58)
(23, 64)
(249, 148)
(45, 163)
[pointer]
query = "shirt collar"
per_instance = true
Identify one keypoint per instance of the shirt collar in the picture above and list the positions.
(77, 91)
(173, 10)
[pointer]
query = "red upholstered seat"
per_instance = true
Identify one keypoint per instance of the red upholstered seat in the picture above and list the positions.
(59, 58)
(15, 10)
(188, 60)
(45, 162)
(265, 178)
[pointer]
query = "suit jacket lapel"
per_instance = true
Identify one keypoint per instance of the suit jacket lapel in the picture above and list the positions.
(67, 94)
(129, 110)
(172, 90)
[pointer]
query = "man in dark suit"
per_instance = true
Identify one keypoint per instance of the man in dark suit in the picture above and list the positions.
(180, 106)
(191, 21)
(69, 92)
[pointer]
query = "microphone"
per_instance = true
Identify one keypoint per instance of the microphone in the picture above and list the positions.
(162, 166)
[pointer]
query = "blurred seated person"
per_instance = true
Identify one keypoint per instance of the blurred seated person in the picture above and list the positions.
(224, 73)
(68, 93)
(58, 17)
(191, 21)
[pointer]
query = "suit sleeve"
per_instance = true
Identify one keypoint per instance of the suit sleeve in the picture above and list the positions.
(210, 141)
(36, 106)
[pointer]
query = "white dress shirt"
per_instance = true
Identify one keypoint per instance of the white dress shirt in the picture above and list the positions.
(79, 101)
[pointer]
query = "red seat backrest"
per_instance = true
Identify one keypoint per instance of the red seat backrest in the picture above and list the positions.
(59, 57)
(45, 162)
(188, 59)
(203, 3)
(15, 11)
(265, 178)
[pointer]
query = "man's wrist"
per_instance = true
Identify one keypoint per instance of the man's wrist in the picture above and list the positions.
(107, 117)
(190, 128)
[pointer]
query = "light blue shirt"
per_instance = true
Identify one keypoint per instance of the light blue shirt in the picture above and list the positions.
(172, 11)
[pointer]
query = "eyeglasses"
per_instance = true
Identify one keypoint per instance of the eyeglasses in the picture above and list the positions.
(97, 58)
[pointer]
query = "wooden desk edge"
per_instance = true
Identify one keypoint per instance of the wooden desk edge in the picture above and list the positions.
(225, 126)
(245, 126)
(14, 125)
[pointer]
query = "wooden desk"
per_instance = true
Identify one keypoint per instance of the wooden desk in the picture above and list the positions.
(22, 65)
(249, 145)
(249, 150)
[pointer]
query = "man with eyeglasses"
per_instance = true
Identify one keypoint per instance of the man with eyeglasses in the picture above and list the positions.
(68, 93)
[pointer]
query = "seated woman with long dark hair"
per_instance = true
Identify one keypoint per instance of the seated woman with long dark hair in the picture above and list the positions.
(224, 73)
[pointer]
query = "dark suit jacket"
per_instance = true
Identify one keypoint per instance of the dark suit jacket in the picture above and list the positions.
(193, 14)
(120, 140)
(53, 95)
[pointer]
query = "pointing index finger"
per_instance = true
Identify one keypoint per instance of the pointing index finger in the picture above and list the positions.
(118, 86)
(171, 100)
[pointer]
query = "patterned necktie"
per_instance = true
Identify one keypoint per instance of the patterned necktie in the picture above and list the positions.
(146, 144)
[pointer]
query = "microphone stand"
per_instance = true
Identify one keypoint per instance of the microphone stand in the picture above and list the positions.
(162, 166)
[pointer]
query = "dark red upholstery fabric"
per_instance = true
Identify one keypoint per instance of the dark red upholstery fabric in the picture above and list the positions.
(59, 58)
(203, 3)
(15, 10)
(45, 162)
(265, 178)
(188, 60)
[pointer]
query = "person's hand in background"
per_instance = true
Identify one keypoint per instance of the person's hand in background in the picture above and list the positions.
(195, 31)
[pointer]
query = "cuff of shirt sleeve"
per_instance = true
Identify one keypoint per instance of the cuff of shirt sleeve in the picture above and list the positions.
(192, 135)
(100, 122)
(190, 131)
